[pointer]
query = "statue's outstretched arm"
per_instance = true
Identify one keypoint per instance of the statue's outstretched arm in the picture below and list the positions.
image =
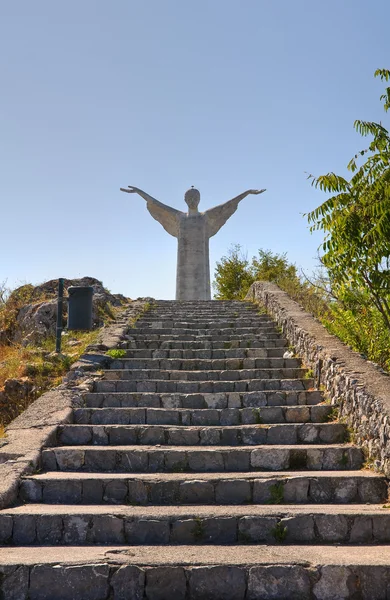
(217, 216)
(165, 215)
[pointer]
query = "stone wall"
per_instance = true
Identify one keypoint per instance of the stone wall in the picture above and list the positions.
(361, 389)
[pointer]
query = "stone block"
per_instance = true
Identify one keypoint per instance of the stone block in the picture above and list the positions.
(217, 583)
(186, 531)
(75, 529)
(30, 491)
(128, 583)
(147, 531)
(183, 437)
(254, 400)
(70, 459)
(237, 461)
(24, 531)
(6, 525)
(206, 461)
(14, 582)
(220, 530)
(49, 529)
(233, 491)
(230, 416)
(115, 491)
(138, 493)
(253, 436)
(205, 417)
(100, 460)
(332, 528)
(299, 529)
(335, 583)
(296, 490)
(107, 529)
(89, 582)
(92, 491)
(210, 436)
(372, 490)
(362, 529)
(196, 492)
(100, 436)
(256, 529)
(164, 492)
(163, 583)
(381, 529)
(130, 461)
(216, 400)
(270, 459)
(290, 582)
(176, 461)
(150, 436)
(345, 490)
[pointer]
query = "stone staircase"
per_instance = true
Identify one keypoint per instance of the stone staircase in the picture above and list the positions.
(210, 461)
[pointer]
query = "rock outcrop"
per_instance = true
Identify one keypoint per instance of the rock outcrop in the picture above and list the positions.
(36, 320)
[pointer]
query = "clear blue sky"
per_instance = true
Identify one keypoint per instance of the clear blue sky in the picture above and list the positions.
(225, 95)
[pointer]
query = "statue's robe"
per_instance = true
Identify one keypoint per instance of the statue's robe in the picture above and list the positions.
(193, 232)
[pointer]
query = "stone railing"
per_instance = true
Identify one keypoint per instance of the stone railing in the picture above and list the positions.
(361, 389)
(36, 427)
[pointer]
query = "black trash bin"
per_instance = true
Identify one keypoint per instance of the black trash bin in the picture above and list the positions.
(80, 307)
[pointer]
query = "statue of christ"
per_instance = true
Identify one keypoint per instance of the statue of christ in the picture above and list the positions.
(193, 231)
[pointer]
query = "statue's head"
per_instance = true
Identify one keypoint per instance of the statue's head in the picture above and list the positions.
(192, 198)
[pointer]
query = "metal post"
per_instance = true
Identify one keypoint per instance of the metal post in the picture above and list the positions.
(59, 314)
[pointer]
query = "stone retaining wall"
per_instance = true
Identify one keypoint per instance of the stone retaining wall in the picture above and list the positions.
(360, 388)
(36, 427)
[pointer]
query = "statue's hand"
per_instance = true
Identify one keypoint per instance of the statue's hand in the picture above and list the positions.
(255, 192)
(131, 190)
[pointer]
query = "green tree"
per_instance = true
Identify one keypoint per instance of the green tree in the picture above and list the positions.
(232, 275)
(272, 267)
(356, 223)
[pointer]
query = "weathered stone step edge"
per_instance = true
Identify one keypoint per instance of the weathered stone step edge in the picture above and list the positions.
(147, 343)
(126, 459)
(204, 322)
(205, 364)
(206, 354)
(215, 375)
(205, 488)
(266, 398)
(207, 417)
(282, 433)
(201, 525)
(218, 334)
(256, 572)
(135, 334)
(204, 386)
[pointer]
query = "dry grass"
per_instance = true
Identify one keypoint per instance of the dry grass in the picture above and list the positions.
(41, 366)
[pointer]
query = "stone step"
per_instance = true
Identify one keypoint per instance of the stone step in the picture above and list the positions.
(196, 344)
(210, 417)
(209, 354)
(261, 331)
(211, 323)
(214, 375)
(221, 400)
(203, 364)
(161, 489)
(201, 572)
(79, 525)
(224, 339)
(127, 459)
(207, 386)
(205, 435)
